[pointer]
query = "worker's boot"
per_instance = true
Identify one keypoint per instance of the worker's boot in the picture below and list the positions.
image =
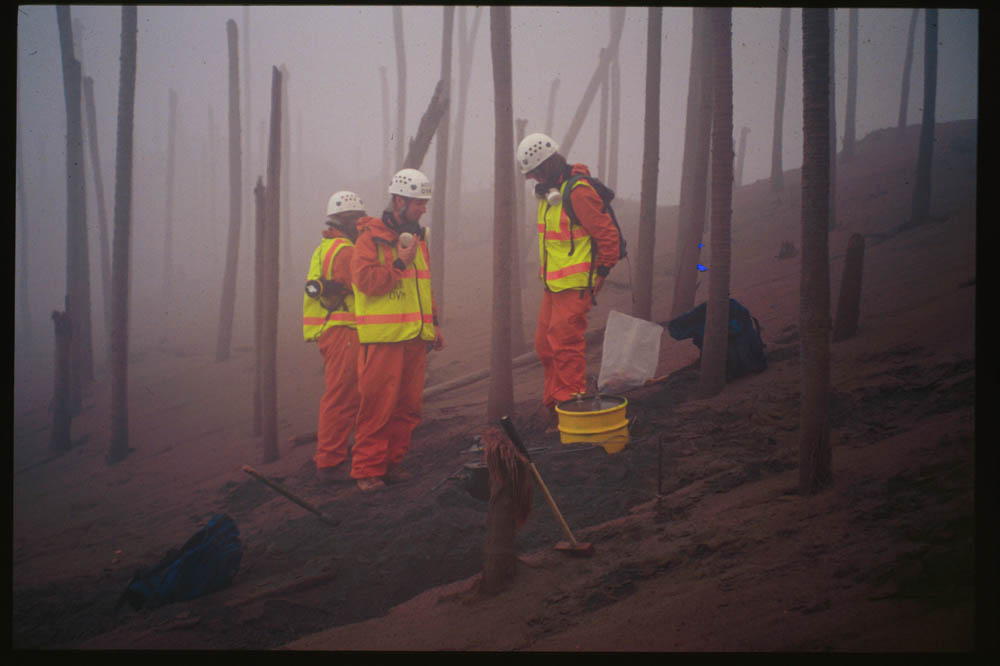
(370, 484)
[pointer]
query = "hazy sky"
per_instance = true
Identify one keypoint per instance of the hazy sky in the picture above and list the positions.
(333, 55)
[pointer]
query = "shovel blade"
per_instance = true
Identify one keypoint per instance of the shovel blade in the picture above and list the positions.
(579, 549)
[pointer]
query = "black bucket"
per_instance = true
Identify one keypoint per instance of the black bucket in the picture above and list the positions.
(477, 480)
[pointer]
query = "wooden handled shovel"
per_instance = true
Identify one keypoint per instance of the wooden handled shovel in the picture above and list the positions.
(573, 547)
(332, 522)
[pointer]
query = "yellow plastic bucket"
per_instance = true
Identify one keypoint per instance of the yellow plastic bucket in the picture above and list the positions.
(595, 420)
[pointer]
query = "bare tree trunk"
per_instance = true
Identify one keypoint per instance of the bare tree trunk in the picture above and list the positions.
(260, 212)
(602, 125)
(228, 302)
(550, 114)
(742, 153)
(777, 171)
(904, 98)
(24, 307)
(712, 377)
(925, 158)
(119, 447)
(397, 25)
(518, 343)
(846, 323)
(62, 420)
(694, 190)
(436, 110)
(247, 164)
(269, 296)
(852, 84)
(286, 172)
(212, 187)
(617, 25)
(102, 211)
(501, 393)
(77, 262)
(616, 103)
(643, 306)
(833, 122)
(168, 225)
(815, 469)
(441, 170)
(386, 139)
(466, 54)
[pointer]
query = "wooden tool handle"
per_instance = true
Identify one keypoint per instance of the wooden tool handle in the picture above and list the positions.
(552, 504)
(301, 502)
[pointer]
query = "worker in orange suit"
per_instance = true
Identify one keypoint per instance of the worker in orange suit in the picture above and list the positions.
(396, 319)
(328, 319)
(574, 261)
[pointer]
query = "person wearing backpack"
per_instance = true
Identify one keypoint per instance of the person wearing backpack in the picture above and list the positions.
(328, 319)
(579, 243)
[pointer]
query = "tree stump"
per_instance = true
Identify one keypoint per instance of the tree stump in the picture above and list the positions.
(61, 416)
(509, 505)
(846, 323)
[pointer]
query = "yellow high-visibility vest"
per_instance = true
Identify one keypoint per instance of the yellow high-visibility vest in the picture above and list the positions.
(315, 317)
(559, 269)
(404, 313)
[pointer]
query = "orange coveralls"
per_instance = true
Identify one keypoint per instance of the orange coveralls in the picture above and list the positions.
(562, 319)
(339, 405)
(390, 374)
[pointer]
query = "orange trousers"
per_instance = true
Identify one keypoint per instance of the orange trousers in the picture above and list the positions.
(559, 343)
(391, 383)
(339, 405)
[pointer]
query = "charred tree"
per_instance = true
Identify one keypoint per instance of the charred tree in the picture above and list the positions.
(852, 84)
(228, 303)
(643, 306)
(286, 172)
(925, 157)
(62, 420)
(77, 259)
(441, 170)
(617, 26)
(694, 190)
(738, 179)
(616, 104)
(904, 98)
(845, 325)
(501, 392)
(436, 110)
(550, 114)
(386, 138)
(168, 224)
(466, 54)
(102, 211)
(518, 343)
(271, 238)
(397, 26)
(24, 305)
(712, 377)
(510, 496)
(777, 171)
(247, 164)
(602, 125)
(832, 198)
(815, 469)
(119, 447)
(260, 212)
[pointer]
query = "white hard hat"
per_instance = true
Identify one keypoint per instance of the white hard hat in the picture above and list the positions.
(344, 201)
(410, 183)
(535, 149)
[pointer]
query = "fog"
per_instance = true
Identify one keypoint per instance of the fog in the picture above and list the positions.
(333, 55)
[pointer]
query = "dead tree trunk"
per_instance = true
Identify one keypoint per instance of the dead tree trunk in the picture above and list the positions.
(602, 125)
(386, 139)
(518, 344)
(247, 164)
(833, 122)
(119, 447)
(742, 153)
(168, 225)
(441, 171)
(501, 391)
(852, 83)
(269, 297)
(550, 114)
(397, 26)
(466, 54)
(102, 211)
(616, 105)
(77, 264)
(436, 110)
(694, 172)
(617, 25)
(228, 303)
(643, 306)
(61, 418)
(24, 306)
(286, 172)
(904, 98)
(777, 171)
(845, 325)
(712, 375)
(925, 157)
(260, 206)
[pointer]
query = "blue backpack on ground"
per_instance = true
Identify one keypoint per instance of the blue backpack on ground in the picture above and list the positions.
(206, 563)
(744, 349)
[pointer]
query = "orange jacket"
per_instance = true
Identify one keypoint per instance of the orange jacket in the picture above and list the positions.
(342, 262)
(587, 205)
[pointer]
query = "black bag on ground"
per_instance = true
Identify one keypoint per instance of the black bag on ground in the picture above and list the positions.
(745, 348)
(206, 563)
